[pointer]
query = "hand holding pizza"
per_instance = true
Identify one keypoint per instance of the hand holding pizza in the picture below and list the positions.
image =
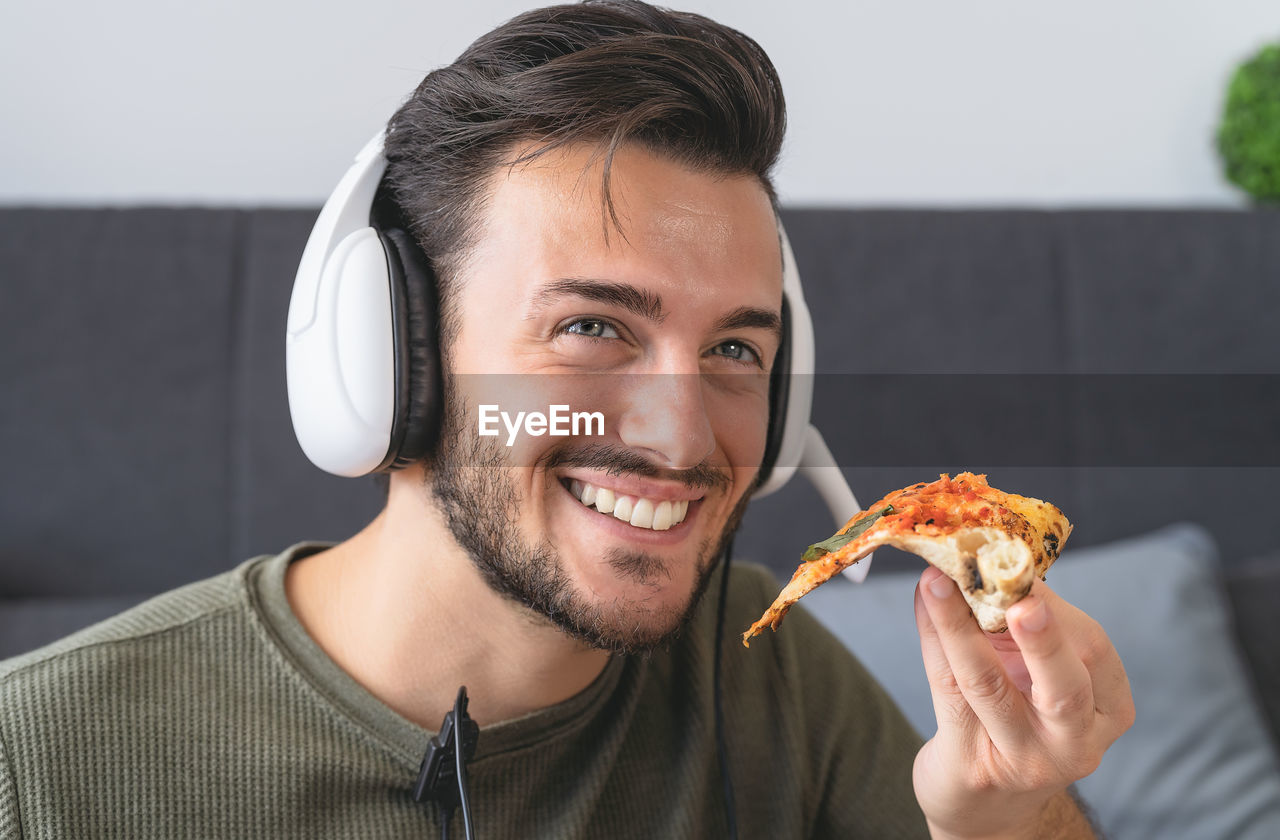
(1021, 715)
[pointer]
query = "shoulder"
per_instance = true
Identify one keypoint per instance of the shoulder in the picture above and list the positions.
(144, 629)
(143, 684)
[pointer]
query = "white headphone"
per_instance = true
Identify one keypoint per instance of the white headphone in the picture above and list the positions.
(361, 353)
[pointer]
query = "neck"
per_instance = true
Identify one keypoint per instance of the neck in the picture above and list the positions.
(398, 607)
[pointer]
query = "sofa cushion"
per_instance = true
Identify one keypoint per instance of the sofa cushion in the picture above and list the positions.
(1198, 761)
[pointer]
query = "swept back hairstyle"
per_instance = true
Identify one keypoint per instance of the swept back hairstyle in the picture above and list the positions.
(603, 71)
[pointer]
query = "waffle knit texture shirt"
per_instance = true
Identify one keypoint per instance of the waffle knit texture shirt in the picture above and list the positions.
(209, 712)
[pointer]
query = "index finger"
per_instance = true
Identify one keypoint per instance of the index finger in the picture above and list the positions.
(979, 672)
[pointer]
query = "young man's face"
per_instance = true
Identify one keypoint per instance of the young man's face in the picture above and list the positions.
(667, 325)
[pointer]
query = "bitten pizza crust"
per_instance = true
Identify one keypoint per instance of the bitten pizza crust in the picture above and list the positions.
(991, 543)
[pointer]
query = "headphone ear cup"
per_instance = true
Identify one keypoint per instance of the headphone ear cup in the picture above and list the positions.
(779, 394)
(419, 394)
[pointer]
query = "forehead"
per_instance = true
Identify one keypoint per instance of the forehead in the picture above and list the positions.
(677, 230)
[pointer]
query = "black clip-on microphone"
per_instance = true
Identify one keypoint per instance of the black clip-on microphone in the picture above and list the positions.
(442, 778)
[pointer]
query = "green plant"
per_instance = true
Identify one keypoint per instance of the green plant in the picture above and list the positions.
(1249, 135)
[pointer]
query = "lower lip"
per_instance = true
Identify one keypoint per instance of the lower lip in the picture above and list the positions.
(624, 531)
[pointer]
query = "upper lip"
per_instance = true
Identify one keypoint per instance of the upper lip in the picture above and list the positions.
(640, 487)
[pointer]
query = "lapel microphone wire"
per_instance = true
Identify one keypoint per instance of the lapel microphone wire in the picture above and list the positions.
(730, 808)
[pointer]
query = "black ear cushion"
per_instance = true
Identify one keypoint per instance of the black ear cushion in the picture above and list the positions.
(779, 395)
(419, 397)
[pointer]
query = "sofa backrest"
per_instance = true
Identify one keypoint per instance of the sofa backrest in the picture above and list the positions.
(144, 426)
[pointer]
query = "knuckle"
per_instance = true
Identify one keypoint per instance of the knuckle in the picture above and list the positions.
(1095, 649)
(991, 687)
(947, 683)
(950, 704)
(1075, 706)
(957, 715)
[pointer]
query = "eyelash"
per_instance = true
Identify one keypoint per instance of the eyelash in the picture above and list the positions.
(566, 329)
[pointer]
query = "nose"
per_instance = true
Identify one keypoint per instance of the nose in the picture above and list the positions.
(666, 417)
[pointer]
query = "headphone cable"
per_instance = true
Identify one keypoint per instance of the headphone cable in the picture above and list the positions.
(722, 753)
(460, 768)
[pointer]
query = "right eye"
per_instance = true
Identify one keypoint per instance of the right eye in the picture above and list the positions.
(592, 328)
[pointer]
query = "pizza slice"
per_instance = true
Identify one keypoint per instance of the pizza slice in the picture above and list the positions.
(991, 543)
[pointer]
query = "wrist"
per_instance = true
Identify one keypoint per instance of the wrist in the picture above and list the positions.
(1059, 817)
(994, 821)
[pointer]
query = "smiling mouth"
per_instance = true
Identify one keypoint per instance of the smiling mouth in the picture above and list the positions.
(653, 514)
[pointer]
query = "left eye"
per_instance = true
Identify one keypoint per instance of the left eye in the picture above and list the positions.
(737, 351)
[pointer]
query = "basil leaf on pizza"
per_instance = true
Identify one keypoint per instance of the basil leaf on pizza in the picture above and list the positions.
(847, 534)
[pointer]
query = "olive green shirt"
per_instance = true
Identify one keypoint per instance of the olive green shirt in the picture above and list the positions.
(209, 712)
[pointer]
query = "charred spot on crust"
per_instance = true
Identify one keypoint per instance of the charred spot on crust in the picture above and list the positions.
(975, 579)
(1051, 545)
(929, 521)
(1017, 525)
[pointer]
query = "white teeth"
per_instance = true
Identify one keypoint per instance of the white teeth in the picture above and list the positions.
(639, 512)
(622, 508)
(642, 516)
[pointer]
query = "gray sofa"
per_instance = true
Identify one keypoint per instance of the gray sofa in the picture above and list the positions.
(145, 433)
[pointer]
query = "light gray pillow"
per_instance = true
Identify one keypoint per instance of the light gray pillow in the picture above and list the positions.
(1198, 762)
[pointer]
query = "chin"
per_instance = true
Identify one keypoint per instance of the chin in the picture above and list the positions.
(633, 602)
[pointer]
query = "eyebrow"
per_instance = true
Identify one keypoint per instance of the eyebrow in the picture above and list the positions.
(639, 301)
(748, 317)
(648, 305)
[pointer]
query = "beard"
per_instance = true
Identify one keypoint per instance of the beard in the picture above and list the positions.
(471, 479)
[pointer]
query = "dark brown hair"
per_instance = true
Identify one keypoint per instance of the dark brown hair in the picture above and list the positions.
(606, 71)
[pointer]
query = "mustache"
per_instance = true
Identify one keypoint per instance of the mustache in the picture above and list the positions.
(616, 460)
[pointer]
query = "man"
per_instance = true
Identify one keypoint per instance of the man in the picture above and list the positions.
(590, 185)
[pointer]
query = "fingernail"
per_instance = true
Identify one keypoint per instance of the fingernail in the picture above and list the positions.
(941, 586)
(1036, 618)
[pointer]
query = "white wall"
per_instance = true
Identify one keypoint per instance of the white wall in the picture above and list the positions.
(892, 102)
